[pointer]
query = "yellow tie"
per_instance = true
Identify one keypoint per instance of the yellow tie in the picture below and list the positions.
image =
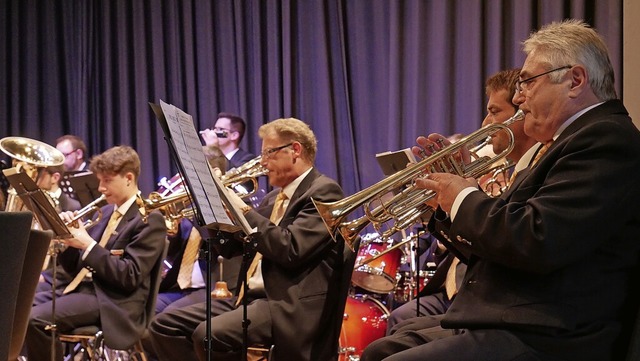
(189, 258)
(111, 227)
(276, 216)
(450, 282)
(541, 152)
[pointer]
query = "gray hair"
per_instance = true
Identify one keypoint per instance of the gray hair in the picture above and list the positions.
(573, 42)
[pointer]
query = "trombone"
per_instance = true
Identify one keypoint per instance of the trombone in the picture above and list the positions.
(408, 204)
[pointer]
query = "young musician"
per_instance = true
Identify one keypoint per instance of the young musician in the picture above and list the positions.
(111, 263)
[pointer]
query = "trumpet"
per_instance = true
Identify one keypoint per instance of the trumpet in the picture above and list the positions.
(85, 211)
(408, 204)
(173, 207)
(248, 172)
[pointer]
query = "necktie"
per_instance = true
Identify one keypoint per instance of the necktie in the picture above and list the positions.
(189, 258)
(450, 282)
(276, 216)
(541, 152)
(111, 227)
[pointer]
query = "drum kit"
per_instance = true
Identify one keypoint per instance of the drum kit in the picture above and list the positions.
(384, 276)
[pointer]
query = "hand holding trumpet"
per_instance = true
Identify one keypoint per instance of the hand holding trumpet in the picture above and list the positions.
(81, 239)
(445, 185)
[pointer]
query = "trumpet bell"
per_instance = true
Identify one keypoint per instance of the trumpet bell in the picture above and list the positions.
(31, 151)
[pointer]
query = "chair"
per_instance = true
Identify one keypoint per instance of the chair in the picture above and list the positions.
(37, 249)
(16, 227)
(88, 342)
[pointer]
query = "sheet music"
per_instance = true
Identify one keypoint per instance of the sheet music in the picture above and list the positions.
(189, 149)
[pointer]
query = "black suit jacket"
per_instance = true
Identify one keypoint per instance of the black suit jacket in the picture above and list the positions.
(302, 267)
(552, 258)
(240, 158)
(122, 282)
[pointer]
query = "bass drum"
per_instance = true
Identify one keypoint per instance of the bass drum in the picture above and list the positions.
(365, 320)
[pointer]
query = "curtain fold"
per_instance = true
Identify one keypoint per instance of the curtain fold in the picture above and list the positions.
(368, 76)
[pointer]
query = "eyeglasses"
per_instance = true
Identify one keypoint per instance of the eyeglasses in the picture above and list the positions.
(68, 154)
(218, 129)
(268, 153)
(522, 85)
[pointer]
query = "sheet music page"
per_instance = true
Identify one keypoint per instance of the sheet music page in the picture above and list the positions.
(189, 149)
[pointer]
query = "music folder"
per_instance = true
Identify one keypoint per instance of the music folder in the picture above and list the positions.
(392, 162)
(37, 202)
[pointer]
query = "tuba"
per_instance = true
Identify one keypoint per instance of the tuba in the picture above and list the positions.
(29, 156)
(407, 204)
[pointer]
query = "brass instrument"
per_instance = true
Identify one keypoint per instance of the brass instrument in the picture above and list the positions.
(85, 211)
(248, 172)
(177, 205)
(407, 205)
(173, 207)
(496, 179)
(29, 156)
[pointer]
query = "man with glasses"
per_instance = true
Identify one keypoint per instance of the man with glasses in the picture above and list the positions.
(227, 134)
(293, 292)
(74, 151)
(554, 259)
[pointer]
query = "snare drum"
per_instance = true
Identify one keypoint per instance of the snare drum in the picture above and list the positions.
(365, 320)
(376, 267)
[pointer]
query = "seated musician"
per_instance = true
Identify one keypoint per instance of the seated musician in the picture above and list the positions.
(442, 288)
(111, 264)
(49, 182)
(291, 299)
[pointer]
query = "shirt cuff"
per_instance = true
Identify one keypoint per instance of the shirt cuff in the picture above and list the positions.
(88, 249)
(459, 198)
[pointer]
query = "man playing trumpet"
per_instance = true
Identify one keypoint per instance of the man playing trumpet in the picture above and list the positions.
(111, 264)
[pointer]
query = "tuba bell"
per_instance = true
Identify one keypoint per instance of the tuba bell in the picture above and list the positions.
(407, 204)
(31, 157)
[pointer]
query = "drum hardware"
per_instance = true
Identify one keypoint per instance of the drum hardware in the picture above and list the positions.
(220, 290)
(408, 203)
(408, 285)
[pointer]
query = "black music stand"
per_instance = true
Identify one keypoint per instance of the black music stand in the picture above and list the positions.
(82, 186)
(38, 203)
(181, 135)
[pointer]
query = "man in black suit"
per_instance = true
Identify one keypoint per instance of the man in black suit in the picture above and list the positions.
(118, 253)
(74, 151)
(554, 259)
(227, 134)
(435, 298)
(294, 301)
(49, 182)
